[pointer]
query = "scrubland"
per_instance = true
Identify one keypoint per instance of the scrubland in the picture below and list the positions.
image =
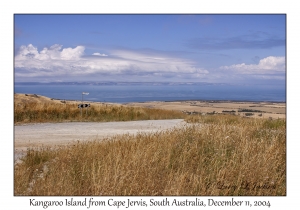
(211, 155)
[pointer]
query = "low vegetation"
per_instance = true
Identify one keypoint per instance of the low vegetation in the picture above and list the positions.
(211, 155)
(34, 112)
(249, 110)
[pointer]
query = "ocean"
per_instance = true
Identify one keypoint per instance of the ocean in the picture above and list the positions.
(126, 93)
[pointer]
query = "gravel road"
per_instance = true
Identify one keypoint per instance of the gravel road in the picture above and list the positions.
(50, 134)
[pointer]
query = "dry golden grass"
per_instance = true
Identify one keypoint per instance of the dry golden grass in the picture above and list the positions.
(25, 98)
(36, 112)
(214, 155)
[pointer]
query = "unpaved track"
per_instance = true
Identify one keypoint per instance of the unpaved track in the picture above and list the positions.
(50, 134)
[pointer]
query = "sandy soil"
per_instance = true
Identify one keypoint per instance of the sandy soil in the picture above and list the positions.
(51, 134)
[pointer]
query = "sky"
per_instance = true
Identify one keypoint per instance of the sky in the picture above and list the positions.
(232, 49)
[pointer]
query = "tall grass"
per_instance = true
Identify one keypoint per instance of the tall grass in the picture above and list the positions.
(215, 155)
(56, 112)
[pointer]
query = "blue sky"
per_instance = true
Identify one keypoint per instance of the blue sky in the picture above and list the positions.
(233, 49)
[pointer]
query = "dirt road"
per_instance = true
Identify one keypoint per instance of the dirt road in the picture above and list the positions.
(50, 134)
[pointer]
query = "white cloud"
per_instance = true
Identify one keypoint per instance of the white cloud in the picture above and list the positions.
(99, 54)
(72, 54)
(157, 62)
(30, 55)
(268, 65)
(26, 52)
(59, 62)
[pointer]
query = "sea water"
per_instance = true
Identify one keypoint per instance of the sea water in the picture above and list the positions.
(145, 92)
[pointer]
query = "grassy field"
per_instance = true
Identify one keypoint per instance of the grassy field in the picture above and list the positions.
(212, 155)
(36, 112)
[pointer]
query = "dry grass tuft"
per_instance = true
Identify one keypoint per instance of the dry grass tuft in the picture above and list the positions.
(215, 155)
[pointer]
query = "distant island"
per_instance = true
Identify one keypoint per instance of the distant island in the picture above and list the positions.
(118, 83)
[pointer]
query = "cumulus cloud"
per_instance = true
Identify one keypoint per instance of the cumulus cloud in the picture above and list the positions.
(268, 65)
(31, 53)
(57, 61)
(72, 54)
